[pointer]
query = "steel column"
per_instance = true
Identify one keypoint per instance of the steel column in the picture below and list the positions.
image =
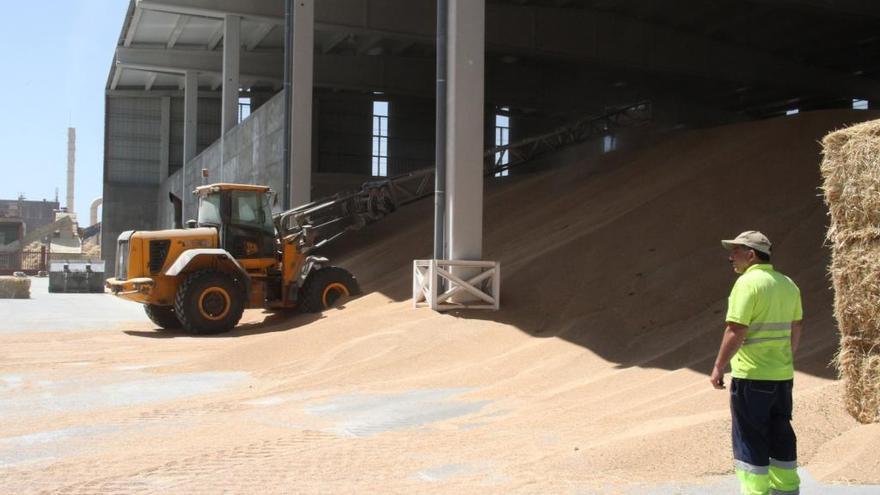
(190, 128)
(440, 130)
(464, 144)
(302, 80)
(231, 75)
(164, 138)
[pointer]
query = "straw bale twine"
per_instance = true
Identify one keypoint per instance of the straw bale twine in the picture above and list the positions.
(15, 288)
(851, 172)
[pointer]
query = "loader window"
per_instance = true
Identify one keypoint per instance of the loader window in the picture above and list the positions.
(251, 209)
(250, 232)
(209, 210)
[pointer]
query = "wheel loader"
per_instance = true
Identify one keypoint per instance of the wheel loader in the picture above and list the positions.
(238, 255)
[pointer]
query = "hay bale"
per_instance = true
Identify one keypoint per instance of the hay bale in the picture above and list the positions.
(15, 288)
(851, 173)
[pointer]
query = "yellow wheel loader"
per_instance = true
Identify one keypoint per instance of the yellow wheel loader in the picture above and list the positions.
(237, 255)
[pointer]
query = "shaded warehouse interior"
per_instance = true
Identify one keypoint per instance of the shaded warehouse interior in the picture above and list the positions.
(178, 90)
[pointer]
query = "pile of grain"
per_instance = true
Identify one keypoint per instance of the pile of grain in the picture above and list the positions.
(851, 169)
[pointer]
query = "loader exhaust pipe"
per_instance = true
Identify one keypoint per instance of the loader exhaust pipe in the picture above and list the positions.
(178, 210)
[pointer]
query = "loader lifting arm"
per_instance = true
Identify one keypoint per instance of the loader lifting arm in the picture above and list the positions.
(315, 224)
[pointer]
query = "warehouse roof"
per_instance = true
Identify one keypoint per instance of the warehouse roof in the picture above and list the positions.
(752, 55)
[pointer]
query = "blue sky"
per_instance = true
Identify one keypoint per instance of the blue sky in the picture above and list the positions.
(55, 59)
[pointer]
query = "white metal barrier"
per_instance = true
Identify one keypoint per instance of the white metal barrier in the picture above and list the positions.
(427, 276)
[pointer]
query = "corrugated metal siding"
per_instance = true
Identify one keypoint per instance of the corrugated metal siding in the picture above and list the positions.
(133, 140)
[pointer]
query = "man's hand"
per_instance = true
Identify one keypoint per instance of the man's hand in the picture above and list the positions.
(734, 334)
(717, 378)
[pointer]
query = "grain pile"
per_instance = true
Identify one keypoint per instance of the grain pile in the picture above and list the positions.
(15, 288)
(851, 169)
(91, 249)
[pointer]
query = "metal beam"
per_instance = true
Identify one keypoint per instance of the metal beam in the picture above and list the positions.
(401, 47)
(368, 43)
(259, 35)
(151, 80)
(271, 11)
(380, 73)
(164, 138)
(231, 73)
(581, 34)
(182, 20)
(302, 75)
(190, 116)
(158, 93)
(132, 27)
(117, 74)
(215, 38)
(855, 8)
(333, 42)
(464, 130)
(608, 39)
(258, 65)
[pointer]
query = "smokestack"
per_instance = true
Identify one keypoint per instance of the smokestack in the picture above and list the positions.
(71, 166)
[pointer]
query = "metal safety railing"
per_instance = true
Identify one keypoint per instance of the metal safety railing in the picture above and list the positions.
(23, 261)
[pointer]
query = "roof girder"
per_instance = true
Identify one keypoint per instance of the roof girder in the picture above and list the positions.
(581, 34)
(403, 75)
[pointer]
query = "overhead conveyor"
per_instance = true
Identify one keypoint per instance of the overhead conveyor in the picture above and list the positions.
(325, 220)
(582, 130)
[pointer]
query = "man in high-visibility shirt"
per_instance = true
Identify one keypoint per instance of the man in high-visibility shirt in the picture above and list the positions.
(764, 325)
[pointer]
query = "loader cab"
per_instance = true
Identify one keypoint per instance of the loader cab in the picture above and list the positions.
(242, 215)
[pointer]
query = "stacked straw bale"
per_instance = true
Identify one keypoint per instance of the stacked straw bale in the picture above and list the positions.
(851, 172)
(15, 288)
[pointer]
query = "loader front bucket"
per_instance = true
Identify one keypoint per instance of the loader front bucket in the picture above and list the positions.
(76, 276)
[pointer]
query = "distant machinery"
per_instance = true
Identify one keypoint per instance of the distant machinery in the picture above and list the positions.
(93, 210)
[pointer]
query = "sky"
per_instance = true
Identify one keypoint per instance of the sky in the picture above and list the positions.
(55, 60)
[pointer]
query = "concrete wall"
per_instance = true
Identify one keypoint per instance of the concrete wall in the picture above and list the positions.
(343, 142)
(253, 153)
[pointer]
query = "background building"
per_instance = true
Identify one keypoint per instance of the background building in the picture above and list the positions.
(35, 214)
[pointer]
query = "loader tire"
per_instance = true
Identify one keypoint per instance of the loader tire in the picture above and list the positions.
(209, 302)
(163, 316)
(325, 286)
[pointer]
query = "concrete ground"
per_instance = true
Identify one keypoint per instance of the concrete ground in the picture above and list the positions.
(84, 407)
(45, 312)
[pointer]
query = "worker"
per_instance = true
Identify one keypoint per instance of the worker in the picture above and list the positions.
(764, 325)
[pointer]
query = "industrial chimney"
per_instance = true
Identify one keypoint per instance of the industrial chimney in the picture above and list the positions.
(71, 166)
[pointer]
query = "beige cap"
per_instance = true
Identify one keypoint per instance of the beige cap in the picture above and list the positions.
(752, 239)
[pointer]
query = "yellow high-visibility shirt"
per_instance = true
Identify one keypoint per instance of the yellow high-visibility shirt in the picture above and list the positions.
(767, 302)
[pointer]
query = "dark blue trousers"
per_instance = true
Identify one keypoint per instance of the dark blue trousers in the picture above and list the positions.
(761, 412)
